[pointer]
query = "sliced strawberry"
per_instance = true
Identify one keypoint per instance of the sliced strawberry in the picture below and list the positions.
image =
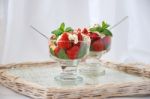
(107, 42)
(56, 51)
(85, 31)
(98, 45)
(94, 36)
(64, 41)
(72, 52)
(80, 38)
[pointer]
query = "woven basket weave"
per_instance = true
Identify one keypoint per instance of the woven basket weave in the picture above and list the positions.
(98, 91)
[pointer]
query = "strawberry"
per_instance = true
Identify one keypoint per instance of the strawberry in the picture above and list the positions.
(85, 31)
(56, 51)
(80, 38)
(107, 41)
(98, 45)
(94, 36)
(73, 52)
(64, 41)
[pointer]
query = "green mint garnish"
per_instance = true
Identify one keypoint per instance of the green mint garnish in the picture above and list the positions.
(68, 29)
(62, 29)
(103, 29)
(62, 54)
(107, 32)
(104, 25)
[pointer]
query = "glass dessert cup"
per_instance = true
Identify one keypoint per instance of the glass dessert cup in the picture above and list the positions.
(92, 66)
(69, 58)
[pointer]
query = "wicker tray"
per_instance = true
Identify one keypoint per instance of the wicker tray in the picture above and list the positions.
(36, 80)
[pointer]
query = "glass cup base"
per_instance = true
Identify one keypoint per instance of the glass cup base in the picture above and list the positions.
(69, 81)
(92, 69)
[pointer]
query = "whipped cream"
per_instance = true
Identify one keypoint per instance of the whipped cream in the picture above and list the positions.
(73, 37)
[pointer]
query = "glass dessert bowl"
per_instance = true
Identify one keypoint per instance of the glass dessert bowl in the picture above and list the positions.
(100, 44)
(68, 48)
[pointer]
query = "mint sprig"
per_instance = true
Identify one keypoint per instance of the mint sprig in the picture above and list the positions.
(103, 29)
(62, 29)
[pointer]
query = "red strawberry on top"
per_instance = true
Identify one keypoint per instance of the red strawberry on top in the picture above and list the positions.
(107, 41)
(64, 42)
(73, 52)
(94, 36)
(98, 45)
(80, 38)
(85, 31)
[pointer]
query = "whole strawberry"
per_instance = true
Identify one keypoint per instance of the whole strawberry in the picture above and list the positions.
(64, 42)
(73, 52)
(97, 45)
(85, 31)
(94, 36)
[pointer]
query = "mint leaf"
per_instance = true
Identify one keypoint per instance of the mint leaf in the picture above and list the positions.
(99, 29)
(107, 32)
(102, 29)
(62, 54)
(92, 29)
(104, 25)
(62, 27)
(61, 30)
(96, 29)
(57, 32)
(68, 29)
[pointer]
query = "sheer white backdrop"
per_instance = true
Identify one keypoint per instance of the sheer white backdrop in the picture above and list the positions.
(18, 42)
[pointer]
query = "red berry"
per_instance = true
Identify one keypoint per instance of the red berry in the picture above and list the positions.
(64, 41)
(56, 50)
(73, 52)
(85, 31)
(98, 45)
(94, 36)
(80, 38)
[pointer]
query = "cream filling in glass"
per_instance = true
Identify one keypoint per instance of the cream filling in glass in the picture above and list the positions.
(73, 37)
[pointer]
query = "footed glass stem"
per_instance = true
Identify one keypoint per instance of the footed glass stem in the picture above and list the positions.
(92, 66)
(69, 72)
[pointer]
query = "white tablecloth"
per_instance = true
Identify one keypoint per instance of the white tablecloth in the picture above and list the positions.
(6, 93)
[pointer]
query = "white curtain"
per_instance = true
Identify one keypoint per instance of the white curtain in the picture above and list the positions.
(18, 42)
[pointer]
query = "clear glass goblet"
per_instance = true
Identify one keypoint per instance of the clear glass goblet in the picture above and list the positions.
(69, 59)
(98, 47)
